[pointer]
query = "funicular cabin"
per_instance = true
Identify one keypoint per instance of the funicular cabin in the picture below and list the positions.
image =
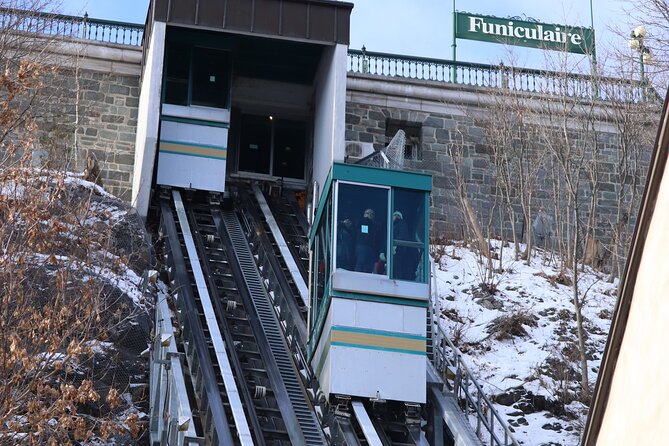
(369, 289)
(239, 90)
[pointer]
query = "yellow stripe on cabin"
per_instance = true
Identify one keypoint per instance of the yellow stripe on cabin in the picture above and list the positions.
(190, 149)
(378, 341)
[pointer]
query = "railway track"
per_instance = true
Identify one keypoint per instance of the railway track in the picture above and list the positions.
(259, 392)
(239, 292)
(268, 222)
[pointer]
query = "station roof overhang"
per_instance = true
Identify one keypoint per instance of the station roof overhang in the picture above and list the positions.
(316, 21)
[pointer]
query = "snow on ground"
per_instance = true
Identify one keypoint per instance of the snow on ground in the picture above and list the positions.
(531, 370)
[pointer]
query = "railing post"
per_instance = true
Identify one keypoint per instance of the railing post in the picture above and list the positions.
(365, 62)
(83, 35)
(504, 76)
(492, 428)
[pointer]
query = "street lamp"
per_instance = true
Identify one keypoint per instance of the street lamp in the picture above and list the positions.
(636, 43)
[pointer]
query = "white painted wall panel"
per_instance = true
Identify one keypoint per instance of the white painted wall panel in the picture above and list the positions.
(365, 355)
(330, 112)
(379, 316)
(148, 117)
(192, 156)
(201, 134)
(378, 374)
(191, 172)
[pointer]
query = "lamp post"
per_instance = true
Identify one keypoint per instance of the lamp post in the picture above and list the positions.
(636, 42)
(454, 45)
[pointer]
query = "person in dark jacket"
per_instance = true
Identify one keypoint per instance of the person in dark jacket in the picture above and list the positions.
(346, 244)
(403, 267)
(367, 242)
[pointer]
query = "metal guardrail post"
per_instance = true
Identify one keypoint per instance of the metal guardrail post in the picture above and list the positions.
(171, 420)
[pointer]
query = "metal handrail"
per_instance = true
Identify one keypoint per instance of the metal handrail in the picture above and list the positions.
(171, 416)
(500, 76)
(59, 25)
(449, 362)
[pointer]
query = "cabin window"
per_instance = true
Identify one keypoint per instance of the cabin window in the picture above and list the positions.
(362, 228)
(408, 236)
(197, 76)
(322, 266)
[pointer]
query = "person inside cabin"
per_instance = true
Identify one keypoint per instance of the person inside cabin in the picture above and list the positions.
(380, 264)
(367, 242)
(346, 244)
(402, 268)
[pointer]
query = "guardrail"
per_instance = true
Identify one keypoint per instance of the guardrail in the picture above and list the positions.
(59, 25)
(447, 359)
(500, 76)
(171, 416)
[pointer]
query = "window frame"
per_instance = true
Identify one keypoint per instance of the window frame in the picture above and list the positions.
(388, 223)
(191, 49)
(423, 246)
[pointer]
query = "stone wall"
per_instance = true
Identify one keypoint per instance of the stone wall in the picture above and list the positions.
(106, 104)
(451, 117)
(88, 106)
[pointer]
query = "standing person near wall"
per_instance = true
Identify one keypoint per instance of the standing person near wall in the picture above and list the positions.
(367, 242)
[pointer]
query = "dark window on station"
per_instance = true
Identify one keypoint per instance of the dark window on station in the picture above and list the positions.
(177, 73)
(413, 130)
(197, 76)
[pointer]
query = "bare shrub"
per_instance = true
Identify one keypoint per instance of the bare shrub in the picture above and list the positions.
(560, 278)
(512, 325)
(61, 292)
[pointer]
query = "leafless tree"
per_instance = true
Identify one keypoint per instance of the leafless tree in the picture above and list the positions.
(457, 152)
(634, 115)
(512, 134)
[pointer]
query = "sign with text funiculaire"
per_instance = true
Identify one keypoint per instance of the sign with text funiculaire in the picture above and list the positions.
(573, 39)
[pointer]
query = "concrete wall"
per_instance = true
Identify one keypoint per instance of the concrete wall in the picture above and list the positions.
(329, 113)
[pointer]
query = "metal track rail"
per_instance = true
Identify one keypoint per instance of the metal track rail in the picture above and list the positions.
(393, 433)
(270, 401)
(215, 336)
(228, 223)
(292, 269)
(257, 393)
(294, 228)
(280, 284)
(366, 425)
(268, 255)
(210, 392)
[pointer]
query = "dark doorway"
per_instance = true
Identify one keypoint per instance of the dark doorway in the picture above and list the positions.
(289, 144)
(275, 147)
(255, 144)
